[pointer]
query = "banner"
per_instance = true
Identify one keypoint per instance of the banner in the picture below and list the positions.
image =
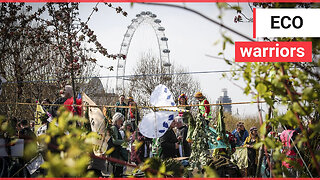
(97, 123)
(39, 112)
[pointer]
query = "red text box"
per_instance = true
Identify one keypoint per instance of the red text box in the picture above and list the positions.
(273, 51)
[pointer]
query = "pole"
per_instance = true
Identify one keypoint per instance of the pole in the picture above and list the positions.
(263, 136)
(71, 62)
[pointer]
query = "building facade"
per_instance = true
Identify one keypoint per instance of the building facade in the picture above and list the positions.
(224, 98)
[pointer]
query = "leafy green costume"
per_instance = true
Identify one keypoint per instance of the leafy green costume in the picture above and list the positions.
(198, 157)
(188, 119)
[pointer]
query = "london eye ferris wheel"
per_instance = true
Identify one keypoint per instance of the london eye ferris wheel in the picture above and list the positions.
(145, 17)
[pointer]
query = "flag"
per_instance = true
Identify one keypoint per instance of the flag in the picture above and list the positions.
(97, 123)
(39, 112)
(79, 96)
(221, 127)
(218, 137)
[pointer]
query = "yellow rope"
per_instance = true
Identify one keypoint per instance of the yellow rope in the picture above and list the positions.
(173, 110)
(139, 107)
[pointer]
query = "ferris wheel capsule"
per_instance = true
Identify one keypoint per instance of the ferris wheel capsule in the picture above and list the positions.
(161, 28)
(157, 21)
(166, 51)
(167, 64)
(164, 39)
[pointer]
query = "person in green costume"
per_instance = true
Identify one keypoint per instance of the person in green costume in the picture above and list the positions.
(186, 116)
(204, 109)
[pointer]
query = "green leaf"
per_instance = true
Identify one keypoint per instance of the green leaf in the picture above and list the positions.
(263, 128)
(257, 145)
(162, 168)
(269, 143)
(229, 40)
(261, 88)
(216, 42)
(297, 108)
(210, 173)
(309, 93)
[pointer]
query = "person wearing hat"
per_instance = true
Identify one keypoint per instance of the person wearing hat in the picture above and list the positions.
(204, 110)
(252, 153)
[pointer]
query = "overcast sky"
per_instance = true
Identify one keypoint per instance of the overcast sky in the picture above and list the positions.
(190, 36)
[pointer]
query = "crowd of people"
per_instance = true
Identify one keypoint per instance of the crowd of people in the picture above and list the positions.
(176, 142)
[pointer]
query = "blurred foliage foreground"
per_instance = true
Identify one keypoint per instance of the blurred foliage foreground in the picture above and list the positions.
(67, 149)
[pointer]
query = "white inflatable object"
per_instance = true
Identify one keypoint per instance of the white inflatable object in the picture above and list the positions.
(155, 124)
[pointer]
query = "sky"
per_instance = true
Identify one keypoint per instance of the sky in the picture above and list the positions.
(191, 38)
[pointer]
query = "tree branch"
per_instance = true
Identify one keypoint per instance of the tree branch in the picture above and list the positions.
(202, 15)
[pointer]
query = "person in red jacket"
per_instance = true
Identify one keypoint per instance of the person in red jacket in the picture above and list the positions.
(76, 110)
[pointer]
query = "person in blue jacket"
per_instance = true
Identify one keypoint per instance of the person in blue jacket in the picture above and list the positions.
(240, 133)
